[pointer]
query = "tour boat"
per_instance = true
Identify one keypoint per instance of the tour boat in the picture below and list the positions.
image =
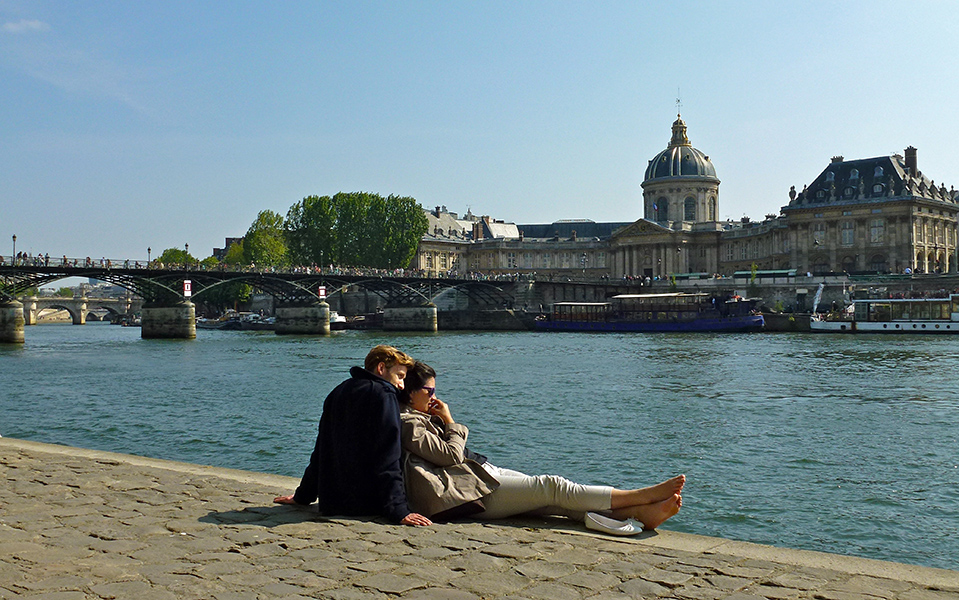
(892, 315)
(656, 313)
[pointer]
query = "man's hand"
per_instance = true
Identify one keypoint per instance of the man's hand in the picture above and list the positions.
(416, 519)
(284, 500)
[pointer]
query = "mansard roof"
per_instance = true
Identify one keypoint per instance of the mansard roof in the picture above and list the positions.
(584, 229)
(869, 180)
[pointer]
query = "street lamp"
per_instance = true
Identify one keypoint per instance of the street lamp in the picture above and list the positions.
(186, 259)
(14, 257)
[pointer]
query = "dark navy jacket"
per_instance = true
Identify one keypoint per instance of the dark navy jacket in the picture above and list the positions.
(355, 466)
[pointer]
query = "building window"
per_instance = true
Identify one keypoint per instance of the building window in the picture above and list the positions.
(566, 260)
(730, 252)
(528, 260)
(878, 264)
(510, 260)
(689, 209)
(848, 232)
(877, 230)
(429, 260)
(819, 234)
(546, 261)
(443, 260)
(601, 260)
(939, 235)
(661, 209)
(712, 208)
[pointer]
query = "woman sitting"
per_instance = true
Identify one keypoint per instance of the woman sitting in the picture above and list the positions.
(445, 480)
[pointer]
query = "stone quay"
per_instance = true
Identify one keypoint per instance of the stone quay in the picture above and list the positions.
(85, 524)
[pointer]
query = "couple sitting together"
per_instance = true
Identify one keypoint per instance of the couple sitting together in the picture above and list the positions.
(388, 446)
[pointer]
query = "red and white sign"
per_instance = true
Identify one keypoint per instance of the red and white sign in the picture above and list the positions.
(187, 288)
(321, 292)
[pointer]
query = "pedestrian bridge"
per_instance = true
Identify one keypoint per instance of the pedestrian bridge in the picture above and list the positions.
(168, 294)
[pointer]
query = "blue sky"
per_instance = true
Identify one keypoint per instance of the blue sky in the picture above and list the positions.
(133, 124)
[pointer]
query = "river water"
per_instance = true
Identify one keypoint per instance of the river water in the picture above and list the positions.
(824, 442)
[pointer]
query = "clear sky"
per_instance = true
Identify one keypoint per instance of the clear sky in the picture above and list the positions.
(131, 124)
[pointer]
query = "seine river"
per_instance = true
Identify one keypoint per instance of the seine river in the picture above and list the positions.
(840, 444)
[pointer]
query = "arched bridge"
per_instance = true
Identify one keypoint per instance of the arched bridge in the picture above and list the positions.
(79, 307)
(164, 286)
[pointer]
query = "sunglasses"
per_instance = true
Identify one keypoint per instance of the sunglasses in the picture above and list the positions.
(430, 390)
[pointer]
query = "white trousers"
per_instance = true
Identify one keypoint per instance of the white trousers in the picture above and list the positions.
(519, 493)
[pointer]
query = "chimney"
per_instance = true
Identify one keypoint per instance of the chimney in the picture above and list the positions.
(837, 159)
(912, 166)
(521, 235)
(477, 231)
(436, 212)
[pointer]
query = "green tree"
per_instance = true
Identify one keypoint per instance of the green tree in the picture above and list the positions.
(234, 254)
(64, 292)
(175, 256)
(355, 229)
(310, 231)
(265, 241)
(210, 262)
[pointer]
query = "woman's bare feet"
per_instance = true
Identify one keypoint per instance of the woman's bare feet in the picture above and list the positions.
(648, 495)
(652, 515)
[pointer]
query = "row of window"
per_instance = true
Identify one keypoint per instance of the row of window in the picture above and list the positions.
(545, 260)
(847, 232)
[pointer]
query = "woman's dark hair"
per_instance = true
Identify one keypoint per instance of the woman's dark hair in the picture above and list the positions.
(416, 378)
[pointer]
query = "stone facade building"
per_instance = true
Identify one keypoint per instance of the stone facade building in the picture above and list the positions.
(874, 215)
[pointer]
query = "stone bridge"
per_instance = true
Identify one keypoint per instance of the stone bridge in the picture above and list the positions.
(79, 308)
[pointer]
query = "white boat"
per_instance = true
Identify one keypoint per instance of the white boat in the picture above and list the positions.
(892, 315)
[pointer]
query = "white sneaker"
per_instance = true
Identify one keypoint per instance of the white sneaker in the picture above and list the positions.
(598, 522)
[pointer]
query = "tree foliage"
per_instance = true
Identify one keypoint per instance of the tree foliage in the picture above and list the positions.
(176, 256)
(355, 229)
(64, 292)
(234, 254)
(265, 241)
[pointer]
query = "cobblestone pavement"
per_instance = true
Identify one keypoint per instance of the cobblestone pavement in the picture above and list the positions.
(78, 524)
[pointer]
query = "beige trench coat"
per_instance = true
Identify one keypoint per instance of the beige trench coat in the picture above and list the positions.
(438, 476)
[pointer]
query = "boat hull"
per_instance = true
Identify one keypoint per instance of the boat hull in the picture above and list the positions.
(926, 327)
(718, 324)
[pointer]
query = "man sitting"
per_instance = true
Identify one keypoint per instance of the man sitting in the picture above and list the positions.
(355, 466)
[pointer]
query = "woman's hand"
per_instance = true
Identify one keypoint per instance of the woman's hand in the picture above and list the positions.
(440, 409)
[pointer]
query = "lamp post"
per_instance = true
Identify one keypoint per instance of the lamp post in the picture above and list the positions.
(14, 257)
(186, 259)
(148, 256)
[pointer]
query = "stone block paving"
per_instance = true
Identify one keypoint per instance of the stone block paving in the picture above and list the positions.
(80, 524)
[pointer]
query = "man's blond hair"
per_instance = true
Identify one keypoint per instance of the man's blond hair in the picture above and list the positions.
(389, 356)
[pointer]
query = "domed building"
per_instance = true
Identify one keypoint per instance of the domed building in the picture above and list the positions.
(680, 182)
(679, 232)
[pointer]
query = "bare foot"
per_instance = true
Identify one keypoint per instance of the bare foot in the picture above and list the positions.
(648, 495)
(664, 490)
(284, 500)
(654, 515)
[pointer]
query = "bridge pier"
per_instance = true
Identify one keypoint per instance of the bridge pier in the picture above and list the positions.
(409, 318)
(80, 312)
(177, 321)
(311, 319)
(11, 322)
(30, 310)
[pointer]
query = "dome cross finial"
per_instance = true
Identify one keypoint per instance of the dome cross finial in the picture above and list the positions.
(679, 103)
